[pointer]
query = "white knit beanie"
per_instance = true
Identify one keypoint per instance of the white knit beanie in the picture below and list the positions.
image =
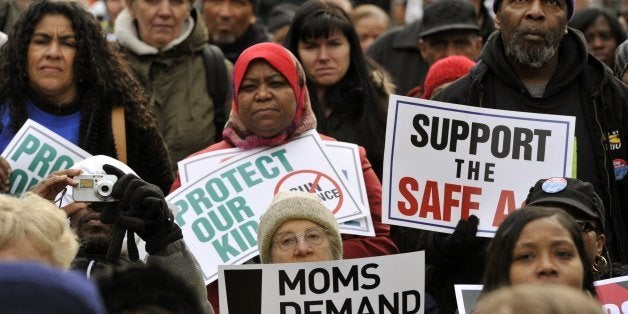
(292, 205)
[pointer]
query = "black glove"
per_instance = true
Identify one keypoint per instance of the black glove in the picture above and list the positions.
(142, 209)
(449, 247)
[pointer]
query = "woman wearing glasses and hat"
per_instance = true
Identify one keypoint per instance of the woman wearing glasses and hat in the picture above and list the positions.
(298, 228)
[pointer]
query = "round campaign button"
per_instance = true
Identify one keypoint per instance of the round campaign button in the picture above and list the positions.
(554, 185)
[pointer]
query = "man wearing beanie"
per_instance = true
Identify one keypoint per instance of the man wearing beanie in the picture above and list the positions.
(398, 50)
(294, 213)
(233, 25)
(535, 63)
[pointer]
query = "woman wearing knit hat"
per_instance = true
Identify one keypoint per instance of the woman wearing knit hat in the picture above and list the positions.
(298, 228)
(271, 106)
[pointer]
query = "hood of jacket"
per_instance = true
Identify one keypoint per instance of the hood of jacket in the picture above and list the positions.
(192, 38)
(573, 60)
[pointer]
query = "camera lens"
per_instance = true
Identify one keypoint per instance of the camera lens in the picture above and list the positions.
(104, 188)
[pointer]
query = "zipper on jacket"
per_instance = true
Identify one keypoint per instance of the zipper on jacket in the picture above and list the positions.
(608, 177)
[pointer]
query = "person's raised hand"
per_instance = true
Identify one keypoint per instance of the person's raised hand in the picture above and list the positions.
(55, 182)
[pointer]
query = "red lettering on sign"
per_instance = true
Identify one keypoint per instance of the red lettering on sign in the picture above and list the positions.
(431, 199)
(505, 206)
(407, 184)
(467, 203)
(430, 202)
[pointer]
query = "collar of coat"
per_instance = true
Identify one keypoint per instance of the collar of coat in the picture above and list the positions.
(128, 36)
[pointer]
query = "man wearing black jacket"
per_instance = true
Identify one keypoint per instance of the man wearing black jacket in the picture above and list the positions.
(535, 63)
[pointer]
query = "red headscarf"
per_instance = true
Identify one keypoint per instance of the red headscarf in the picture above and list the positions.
(287, 64)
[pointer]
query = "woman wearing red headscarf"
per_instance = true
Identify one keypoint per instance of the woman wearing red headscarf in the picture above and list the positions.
(271, 106)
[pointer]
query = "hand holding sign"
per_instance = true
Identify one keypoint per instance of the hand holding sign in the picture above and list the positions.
(459, 243)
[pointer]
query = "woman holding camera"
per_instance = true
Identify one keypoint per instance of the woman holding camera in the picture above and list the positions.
(58, 70)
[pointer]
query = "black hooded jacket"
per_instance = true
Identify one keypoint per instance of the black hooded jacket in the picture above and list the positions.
(583, 87)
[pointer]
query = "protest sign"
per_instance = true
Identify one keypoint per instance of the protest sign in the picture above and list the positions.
(345, 156)
(444, 162)
(35, 152)
(466, 297)
(219, 212)
(384, 284)
(613, 294)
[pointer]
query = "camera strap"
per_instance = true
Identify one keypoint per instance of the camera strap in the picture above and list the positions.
(119, 132)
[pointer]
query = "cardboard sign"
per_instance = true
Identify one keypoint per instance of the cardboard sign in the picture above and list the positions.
(444, 162)
(219, 212)
(384, 284)
(346, 158)
(35, 152)
(613, 294)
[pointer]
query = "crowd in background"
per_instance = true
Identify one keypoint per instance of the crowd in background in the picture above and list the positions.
(189, 77)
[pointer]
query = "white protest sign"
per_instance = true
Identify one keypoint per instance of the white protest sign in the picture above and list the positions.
(35, 152)
(444, 162)
(219, 212)
(346, 157)
(613, 294)
(197, 166)
(384, 284)
(466, 297)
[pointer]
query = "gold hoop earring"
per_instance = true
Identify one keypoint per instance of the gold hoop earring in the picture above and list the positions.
(600, 265)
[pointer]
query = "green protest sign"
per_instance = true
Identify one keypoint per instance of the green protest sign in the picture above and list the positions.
(35, 152)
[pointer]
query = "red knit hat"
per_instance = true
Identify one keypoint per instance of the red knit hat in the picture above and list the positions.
(444, 71)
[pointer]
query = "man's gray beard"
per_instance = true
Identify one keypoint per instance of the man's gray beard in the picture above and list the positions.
(535, 56)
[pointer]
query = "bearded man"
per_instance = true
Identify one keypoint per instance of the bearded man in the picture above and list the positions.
(535, 63)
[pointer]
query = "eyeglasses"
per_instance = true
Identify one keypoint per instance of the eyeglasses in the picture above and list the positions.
(585, 226)
(289, 241)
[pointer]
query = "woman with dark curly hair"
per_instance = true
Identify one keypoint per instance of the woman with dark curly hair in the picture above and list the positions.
(349, 92)
(602, 30)
(58, 70)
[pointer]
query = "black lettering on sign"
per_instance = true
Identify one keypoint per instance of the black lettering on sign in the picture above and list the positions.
(502, 141)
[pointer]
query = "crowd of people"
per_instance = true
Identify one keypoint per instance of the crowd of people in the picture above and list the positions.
(180, 78)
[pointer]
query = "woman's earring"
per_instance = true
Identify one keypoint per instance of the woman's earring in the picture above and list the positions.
(600, 264)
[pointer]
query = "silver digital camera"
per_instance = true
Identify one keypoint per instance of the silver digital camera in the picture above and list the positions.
(94, 188)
